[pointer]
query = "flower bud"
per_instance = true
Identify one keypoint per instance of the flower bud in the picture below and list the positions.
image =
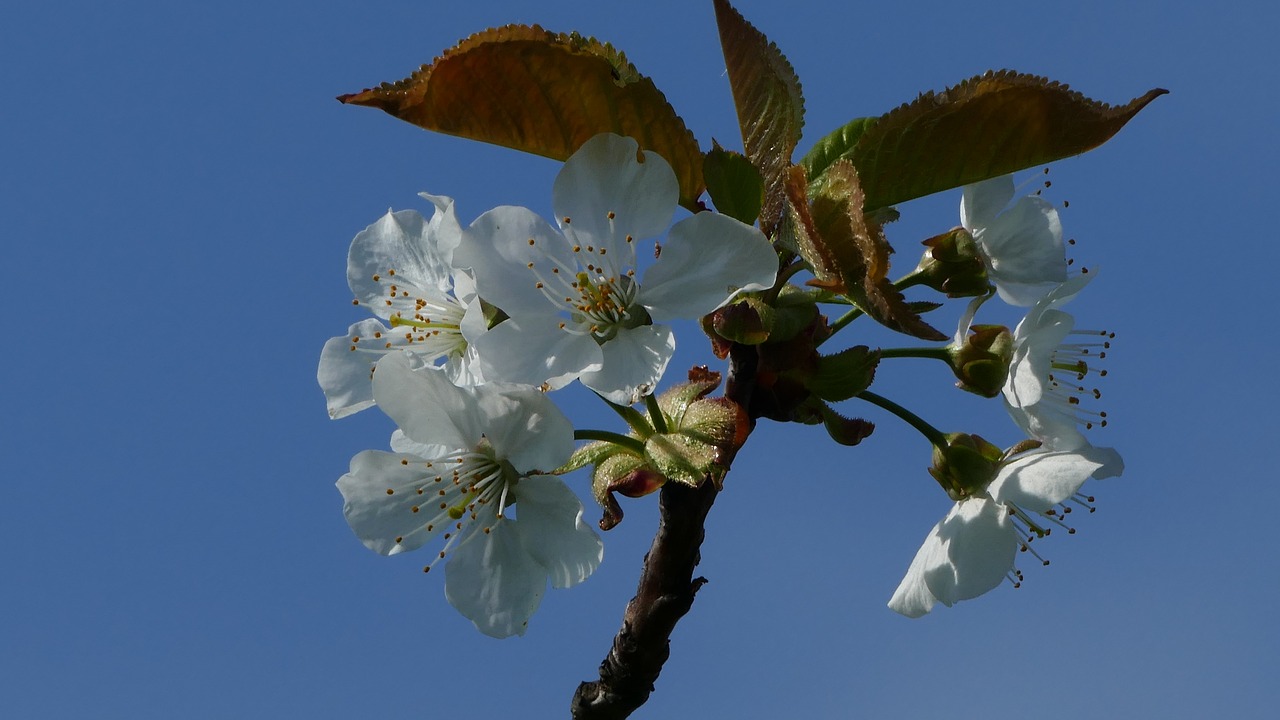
(981, 360)
(951, 264)
(966, 466)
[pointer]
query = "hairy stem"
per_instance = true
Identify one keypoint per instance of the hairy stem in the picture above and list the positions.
(667, 585)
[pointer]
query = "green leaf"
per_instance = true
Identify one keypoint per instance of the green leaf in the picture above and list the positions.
(733, 183)
(770, 106)
(545, 93)
(845, 374)
(834, 146)
(986, 126)
(846, 431)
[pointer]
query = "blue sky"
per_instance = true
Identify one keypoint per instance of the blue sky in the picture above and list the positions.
(177, 192)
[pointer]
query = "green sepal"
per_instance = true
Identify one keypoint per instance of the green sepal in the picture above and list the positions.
(981, 362)
(966, 466)
(844, 374)
(951, 264)
(733, 183)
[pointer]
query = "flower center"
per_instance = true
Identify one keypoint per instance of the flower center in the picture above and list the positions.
(428, 323)
(463, 493)
(597, 291)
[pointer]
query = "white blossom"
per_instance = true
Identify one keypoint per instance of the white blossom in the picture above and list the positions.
(1021, 246)
(399, 268)
(577, 307)
(466, 470)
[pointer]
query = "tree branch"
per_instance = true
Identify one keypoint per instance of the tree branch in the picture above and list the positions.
(667, 586)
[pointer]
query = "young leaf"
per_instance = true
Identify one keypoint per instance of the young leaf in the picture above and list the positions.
(770, 107)
(847, 249)
(545, 93)
(734, 184)
(984, 127)
(839, 143)
(845, 374)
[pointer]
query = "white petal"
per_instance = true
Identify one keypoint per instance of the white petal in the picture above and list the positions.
(549, 519)
(1112, 463)
(634, 361)
(1041, 479)
(983, 201)
(379, 518)
(1031, 366)
(425, 404)
(1057, 430)
(979, 544)
(346, 369)
(534, 350)
(705, 261)
(525, 426)
(444, 226)
(1025, 251)
(403, 243)
(912, 598)
(496, 248)
(494, 582)
(604, 176)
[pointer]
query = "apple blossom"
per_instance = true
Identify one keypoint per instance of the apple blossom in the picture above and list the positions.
(464, 458)
(576, 305)
(399, 268)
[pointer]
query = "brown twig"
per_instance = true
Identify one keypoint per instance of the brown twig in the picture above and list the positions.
(667, 586)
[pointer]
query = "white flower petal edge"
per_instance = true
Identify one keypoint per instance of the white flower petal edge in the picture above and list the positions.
(399, 268)
(1022, 246)
(467, 456)
(1042, 393)
(581, 281)
(706, 261)
(971, 550)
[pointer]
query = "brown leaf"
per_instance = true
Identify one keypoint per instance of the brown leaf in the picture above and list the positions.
(770, 106)
(986, 126)
(545, 93)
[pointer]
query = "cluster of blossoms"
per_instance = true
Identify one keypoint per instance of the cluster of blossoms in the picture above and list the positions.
(474, 325)
(1006, 499)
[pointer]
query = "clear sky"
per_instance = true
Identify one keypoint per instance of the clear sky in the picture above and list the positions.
(178, 189)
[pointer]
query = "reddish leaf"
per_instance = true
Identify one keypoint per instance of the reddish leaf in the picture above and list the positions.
(848, 251)
(770, 107)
